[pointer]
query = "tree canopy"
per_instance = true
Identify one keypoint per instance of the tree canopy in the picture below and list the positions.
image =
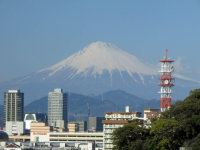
(179, 126)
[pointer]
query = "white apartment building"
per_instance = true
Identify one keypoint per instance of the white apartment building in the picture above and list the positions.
(150, 114)
(115, 120)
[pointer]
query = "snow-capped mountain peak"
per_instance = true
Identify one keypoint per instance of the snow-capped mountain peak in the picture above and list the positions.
(99, 57)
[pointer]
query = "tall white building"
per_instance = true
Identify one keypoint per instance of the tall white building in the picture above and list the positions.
(115, 120)
(57, 108)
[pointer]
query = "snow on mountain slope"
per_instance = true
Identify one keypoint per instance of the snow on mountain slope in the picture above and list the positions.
(99, 57)
(98, 68)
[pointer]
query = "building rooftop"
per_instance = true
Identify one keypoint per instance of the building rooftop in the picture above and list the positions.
(13, 91)
(152, 112)
(151, 109)
(122, 112)
(114, 121)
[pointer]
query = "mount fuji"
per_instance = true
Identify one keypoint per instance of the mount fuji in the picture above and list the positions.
(95, 69)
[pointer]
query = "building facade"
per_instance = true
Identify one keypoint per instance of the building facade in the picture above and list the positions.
(39, 132)
(77, 126)
(150, 114)
(15, 127)
(95, 124)
(33, 117)
(13, 106)
(66, 137)
(115, 120)
(57, 108)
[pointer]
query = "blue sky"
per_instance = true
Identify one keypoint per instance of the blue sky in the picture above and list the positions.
(35, 34)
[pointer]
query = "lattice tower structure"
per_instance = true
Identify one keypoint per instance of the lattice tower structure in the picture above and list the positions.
(166, 82)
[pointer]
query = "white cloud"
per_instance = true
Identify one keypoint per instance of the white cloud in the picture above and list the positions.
(183, 71)
(181, 67)
(185, 78)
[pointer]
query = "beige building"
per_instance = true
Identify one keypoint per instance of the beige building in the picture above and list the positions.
(77, 126)
(72, 127)
(39, 132)
(42, 133)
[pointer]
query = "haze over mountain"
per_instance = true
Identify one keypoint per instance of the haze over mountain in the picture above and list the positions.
(107, 102)
(95, 69)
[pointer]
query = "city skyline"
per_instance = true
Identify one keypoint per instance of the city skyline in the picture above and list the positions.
(37, 34)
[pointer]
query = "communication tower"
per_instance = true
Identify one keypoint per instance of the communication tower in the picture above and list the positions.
(166, 82)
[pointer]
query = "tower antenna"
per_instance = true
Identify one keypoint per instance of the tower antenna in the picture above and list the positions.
(166, 82)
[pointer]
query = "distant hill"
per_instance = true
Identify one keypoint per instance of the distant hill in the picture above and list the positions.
(109, 101)
(77, 106)
(106, 102)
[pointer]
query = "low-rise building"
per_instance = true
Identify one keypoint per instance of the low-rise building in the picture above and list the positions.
(40, 132)
(15, 127)
(51, 145)
(150, 114)
(33, 117)
(96, 137)
(95, 124)
(72, 127)
(77, 126)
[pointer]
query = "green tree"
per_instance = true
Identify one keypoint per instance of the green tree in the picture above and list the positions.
(187, 113)
(165, 134)
(196, 144)
(129, 137)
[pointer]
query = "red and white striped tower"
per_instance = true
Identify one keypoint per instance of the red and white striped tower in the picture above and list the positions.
(166, 82)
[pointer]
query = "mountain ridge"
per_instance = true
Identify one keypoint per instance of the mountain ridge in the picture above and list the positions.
(78, 110)
(110, 101)
(100, 75)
